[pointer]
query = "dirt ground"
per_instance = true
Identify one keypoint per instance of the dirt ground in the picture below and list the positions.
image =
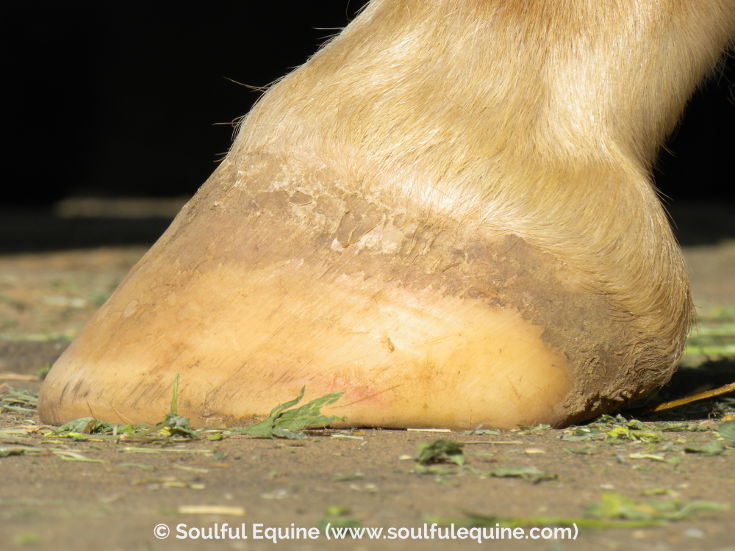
(661, 482)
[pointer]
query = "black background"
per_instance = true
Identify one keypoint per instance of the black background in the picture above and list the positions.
(130, 98)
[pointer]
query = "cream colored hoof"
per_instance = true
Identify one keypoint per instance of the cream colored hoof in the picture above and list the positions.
(264, 284)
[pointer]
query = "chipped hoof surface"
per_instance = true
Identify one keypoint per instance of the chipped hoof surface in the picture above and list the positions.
(267, 282)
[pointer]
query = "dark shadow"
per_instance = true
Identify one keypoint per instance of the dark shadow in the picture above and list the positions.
(703, 223)
(686, 382)
(37, 230)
